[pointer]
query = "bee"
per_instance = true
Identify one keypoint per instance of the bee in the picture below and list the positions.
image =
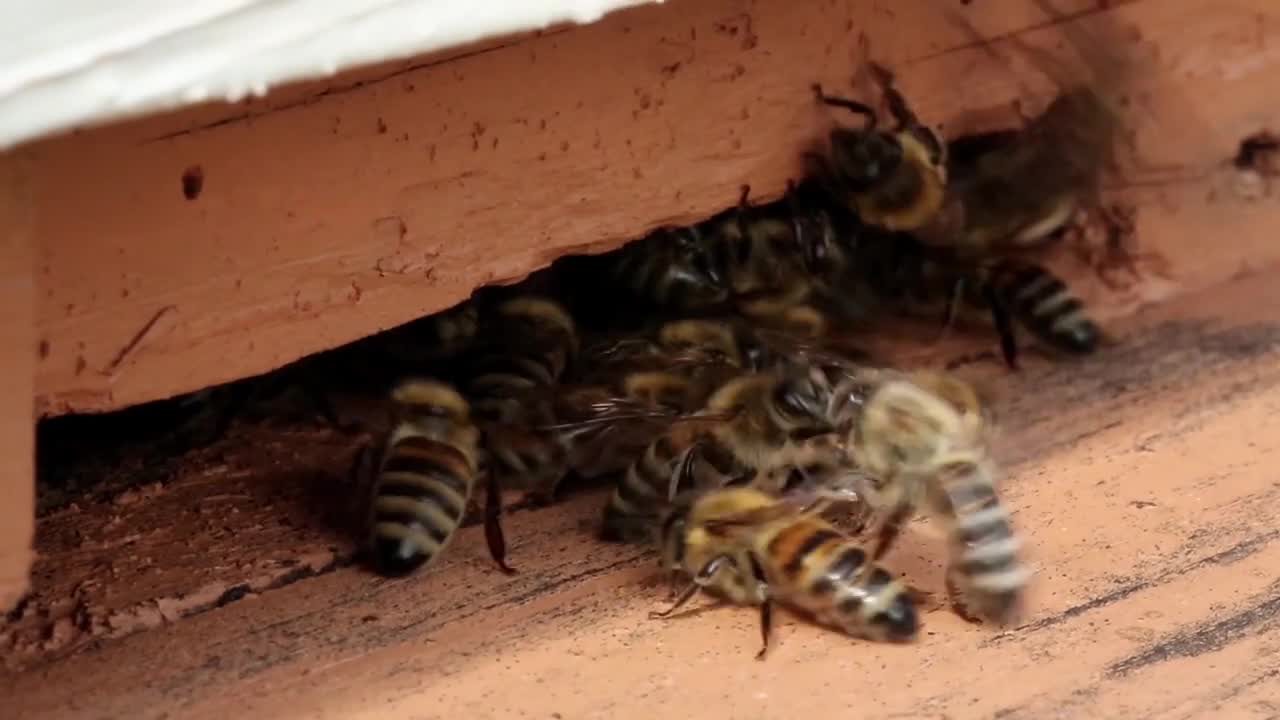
(446, 334)
(527, 344)
(425, 480)
(893, 179)
(871, 268)
(524, 348)
(751, 423)
(671, 268)
(920, 443)
(1019, 189)
(753, 549)
(633, 387)
(603, 431)
(743, 259)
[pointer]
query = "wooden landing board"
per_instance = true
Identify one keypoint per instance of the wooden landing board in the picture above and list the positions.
(1142, 480)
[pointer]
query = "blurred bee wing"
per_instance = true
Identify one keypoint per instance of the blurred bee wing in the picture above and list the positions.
(1109, 66)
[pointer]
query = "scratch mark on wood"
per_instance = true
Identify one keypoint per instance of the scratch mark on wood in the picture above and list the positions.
(137, 339)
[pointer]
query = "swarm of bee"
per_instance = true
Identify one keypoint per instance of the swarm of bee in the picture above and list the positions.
(700, 372)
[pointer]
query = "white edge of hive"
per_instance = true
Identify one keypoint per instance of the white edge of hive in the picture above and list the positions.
(68, 63)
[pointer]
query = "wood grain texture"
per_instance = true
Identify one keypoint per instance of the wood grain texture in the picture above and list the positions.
(337, 215)
(17, 381)
(1142, 481)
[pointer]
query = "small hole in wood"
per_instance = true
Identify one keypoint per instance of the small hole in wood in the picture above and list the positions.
(1259, 152)
(192, 182)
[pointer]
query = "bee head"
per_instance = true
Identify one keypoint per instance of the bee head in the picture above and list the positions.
(698, 265)
(864, 159)
(803, 398)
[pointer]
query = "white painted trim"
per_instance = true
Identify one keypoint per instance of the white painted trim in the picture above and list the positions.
(78, 62)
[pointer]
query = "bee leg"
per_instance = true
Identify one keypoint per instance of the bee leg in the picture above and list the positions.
(889, 531)
(766, 605)
(682, 470)
(925, 599)
(851, 105)
(1004, 326)
(493, 534)
(673, 585)
(952, 310)
(956, 596)
(703, 577)
(897, 104)
(766, 628)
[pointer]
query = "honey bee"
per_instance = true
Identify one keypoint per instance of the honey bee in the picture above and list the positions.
(892, 179)
(446, 334)
(633, 387)
(895, 272)
(602, 431)
(920, 443)
(425, 480)
(1017, 189)
(744, 259)
(752, 549)
(518, 360)
(527, 344)
(750, 424)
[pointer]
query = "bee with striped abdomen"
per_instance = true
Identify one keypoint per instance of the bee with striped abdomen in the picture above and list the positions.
(524, 347)
(744, 259)
(1019, 188)
(920, 444)
(751, 424)
(753, 549)
(896, 273)
(425, 480)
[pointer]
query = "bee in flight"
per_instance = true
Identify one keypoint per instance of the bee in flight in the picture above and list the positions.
(425, 480)
(753, 549)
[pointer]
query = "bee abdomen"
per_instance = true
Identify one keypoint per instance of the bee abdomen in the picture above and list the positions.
(1044, 304)
(519, 452)
(985, 562)
(420, 499)
(839, 587)
(641, 493)
(882, 607)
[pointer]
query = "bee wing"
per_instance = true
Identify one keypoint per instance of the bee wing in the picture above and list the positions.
(743, 523)
(605, 432)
